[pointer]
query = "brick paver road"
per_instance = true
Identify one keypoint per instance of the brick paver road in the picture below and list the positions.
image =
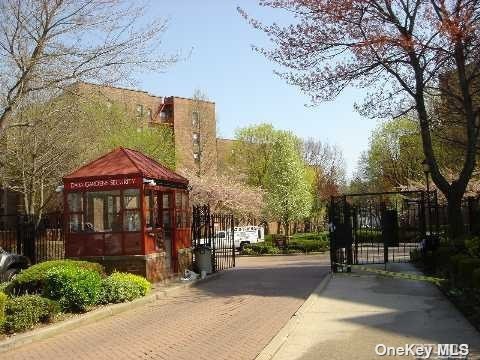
(231, 317)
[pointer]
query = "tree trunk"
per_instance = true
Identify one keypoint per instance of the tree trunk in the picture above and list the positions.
(455, 219)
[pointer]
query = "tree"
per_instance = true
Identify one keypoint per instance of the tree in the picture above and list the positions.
(47, 45)
(408, 53)
(156, 142)
(288, 195)
(225, 194)
(252, 152)
(37, 156)
(326, 166)
(395, 155)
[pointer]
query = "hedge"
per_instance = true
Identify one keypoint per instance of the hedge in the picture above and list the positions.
(23, 312)
(75, 288)
(32, 280)
(122, 287)
(3, 302)
(465, 269)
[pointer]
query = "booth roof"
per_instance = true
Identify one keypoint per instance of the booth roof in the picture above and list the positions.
(123, 161)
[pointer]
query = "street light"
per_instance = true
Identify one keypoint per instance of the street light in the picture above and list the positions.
(426, 170)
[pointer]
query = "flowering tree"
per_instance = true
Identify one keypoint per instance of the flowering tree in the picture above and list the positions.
(225, 194)
(410, 54)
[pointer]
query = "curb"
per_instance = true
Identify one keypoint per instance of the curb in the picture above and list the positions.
(291, 254)
(49, 331)
(278, 340)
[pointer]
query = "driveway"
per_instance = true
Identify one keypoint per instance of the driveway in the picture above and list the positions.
(232, 317)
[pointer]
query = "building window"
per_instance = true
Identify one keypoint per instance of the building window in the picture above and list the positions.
(196, 156)
(149, 113)
(195, 119)
(139, 110)
(196, 138)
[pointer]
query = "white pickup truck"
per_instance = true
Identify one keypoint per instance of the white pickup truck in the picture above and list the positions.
(242, 235)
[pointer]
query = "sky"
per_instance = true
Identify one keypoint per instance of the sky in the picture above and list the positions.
(241, 82)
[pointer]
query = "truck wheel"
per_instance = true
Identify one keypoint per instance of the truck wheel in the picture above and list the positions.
(10, 274)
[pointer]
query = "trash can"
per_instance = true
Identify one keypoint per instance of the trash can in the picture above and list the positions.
(203, 258)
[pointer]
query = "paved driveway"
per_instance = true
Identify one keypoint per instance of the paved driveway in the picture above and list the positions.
(231, 317)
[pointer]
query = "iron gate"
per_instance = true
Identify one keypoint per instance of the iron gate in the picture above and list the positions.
(39, 239)
(217, 232)
(377, 228)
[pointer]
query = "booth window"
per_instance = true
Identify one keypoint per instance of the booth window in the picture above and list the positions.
(150, 205)
(102, 211)
(131, 214)
(182, 209)
(75, 208)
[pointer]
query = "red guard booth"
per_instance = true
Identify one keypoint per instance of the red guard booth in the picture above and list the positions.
(129, 213)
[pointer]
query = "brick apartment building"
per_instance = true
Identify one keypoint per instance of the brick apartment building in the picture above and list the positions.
(192, 121)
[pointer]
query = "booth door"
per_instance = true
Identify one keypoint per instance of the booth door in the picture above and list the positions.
(166, 216)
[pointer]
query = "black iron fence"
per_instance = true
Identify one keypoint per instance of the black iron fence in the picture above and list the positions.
(38, 238)
(217, 232)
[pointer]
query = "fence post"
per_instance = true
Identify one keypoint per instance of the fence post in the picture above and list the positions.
(232, 229)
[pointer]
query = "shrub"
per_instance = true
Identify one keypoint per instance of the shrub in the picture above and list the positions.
(32, 280)
(442, 256)
(476, 279)
(23, 312)
(75, 288)
(454, 260)
(473, 246)
(3, 302)
(122, 287)
(465, 269)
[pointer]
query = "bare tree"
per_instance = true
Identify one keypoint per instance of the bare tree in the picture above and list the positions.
(405, 52)
(46, 45)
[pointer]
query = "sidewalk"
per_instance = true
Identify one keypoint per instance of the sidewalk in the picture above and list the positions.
(352, 313)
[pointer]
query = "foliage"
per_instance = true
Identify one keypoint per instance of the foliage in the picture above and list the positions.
(75, 288)
(226, 194)
(120, 128)
(476, 279)
(465, 268)
(394, 156)
(252, 152)
(473, 246)
(419, 57)
(122, 287)
(261, 248)
(68, 41)
(289, 196)
(32, 280)
(23, 312)
(300, 242)
(3, 303)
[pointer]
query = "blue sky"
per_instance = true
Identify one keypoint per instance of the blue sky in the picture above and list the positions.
(241, 82)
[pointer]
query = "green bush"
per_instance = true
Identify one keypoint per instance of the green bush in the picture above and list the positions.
(476, 279)
(453, 262)
(442, 256)
(23, 312)
(465, 269)
(75, 288)
(3, 302)
(32, 280)
(473, 246)
(122, 287)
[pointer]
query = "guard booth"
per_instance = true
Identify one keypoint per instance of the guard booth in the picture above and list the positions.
(129, 213)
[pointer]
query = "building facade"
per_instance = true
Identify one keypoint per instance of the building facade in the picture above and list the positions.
(192, 121)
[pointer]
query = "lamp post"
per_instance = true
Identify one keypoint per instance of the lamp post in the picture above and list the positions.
(426, 170)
